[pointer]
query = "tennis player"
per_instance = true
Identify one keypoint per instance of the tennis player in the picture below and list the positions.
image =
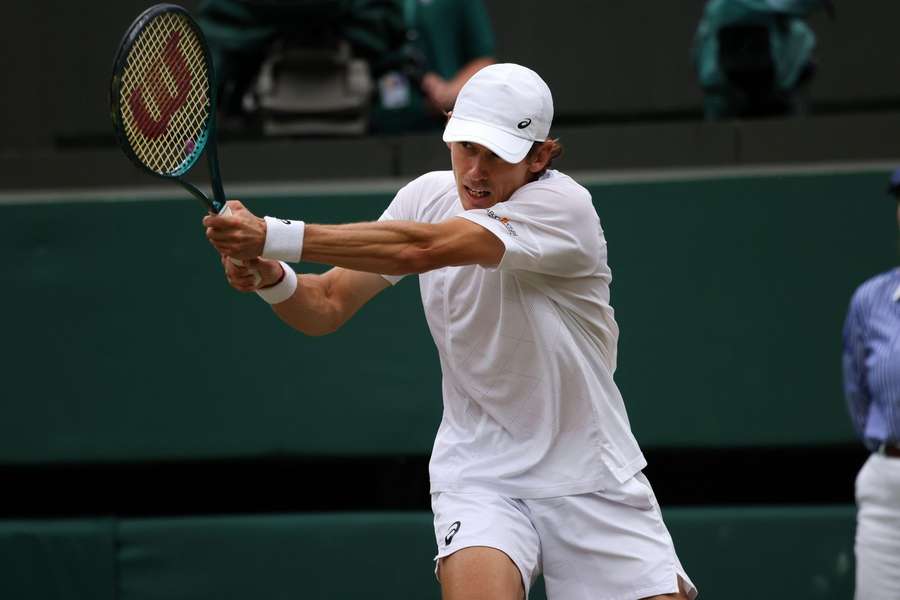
(534, 468)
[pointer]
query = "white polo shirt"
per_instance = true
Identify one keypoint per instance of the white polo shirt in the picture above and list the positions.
(527, 349)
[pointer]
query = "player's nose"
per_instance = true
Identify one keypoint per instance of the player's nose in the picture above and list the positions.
(477, 170)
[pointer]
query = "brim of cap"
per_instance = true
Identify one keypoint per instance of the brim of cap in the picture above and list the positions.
(510, 148)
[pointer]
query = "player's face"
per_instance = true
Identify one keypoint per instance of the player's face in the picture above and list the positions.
(482, 178)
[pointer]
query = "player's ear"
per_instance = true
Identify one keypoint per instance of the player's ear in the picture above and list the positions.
(539, 158)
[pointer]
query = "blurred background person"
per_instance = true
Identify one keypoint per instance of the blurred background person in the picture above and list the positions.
(871, 363)
(298, 66)
(754, 57)
(448, 41)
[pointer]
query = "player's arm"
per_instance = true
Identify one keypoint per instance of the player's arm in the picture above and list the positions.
(387, 247)
(320, 304)
(323, 303)
(402, 247)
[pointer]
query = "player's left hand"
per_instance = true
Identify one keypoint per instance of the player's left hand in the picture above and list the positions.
(252, 274)
(241, 235)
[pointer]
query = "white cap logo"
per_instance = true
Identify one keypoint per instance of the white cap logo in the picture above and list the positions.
(503, 107)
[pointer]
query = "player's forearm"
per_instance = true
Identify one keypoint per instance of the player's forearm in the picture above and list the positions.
(386, 247)
(310, 310)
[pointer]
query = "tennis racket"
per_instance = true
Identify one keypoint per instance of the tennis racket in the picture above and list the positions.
(163, 101)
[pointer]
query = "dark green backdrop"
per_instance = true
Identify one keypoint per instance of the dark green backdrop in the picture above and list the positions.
(730, 553)
(122, 341)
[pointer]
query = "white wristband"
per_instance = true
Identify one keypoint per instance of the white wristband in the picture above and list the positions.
(282, 290)
(284, 239)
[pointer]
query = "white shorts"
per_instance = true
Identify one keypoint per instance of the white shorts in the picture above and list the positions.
(878, 529)
(607, 545)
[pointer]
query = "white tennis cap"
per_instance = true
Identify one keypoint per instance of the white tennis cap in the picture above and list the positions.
(503, 107)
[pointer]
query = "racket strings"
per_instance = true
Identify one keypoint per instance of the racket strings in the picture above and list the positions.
(165, 95)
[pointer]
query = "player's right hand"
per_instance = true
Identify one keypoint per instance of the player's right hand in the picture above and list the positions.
(242, 277)
(240, 235)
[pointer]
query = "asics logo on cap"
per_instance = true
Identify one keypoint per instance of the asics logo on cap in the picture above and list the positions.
(523, 123)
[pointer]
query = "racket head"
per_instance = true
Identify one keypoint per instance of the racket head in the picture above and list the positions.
(162, 99)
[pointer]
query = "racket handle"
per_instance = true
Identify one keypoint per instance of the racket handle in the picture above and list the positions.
(257, 278)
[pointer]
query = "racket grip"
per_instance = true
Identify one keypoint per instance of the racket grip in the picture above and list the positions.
(257, 278)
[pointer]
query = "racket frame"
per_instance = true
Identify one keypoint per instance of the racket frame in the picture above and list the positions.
(207, 141)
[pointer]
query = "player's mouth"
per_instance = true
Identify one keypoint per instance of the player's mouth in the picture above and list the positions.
(477, 193)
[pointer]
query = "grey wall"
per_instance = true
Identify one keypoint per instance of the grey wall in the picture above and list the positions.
(604, 56)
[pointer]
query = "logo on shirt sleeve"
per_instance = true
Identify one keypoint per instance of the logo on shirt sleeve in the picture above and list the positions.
(504, 221)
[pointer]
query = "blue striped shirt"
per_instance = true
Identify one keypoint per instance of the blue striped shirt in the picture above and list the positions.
(872, 359)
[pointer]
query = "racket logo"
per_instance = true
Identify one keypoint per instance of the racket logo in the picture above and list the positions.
(165, 102)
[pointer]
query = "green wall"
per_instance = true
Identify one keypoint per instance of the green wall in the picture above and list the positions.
(731, 295)
(123, 342)
(790, 552)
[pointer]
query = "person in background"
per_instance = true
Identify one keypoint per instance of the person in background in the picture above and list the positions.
(754, 57)
(871, 364)
(243, 33)
(448, 41)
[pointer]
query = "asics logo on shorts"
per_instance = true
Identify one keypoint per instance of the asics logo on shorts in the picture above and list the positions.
(451, 532)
